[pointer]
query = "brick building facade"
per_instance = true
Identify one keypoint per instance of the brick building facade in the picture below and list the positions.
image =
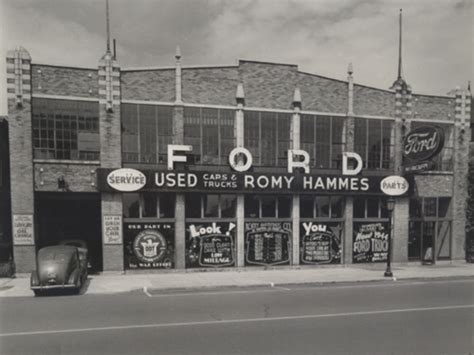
(69, 126)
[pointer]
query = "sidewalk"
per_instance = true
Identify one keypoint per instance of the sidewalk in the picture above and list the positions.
(108, 283)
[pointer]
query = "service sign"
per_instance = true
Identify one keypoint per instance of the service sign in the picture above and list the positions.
(423, 143)
(394, 185)
(320, 243)
(210, 244)
(267, 243)
(126, 180)
(370, 242)
(149, 245)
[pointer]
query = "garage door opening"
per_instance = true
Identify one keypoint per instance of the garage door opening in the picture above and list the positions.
(65, 216)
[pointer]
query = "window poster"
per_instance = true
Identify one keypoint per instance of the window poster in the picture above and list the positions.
(370, 242)
(320, 243)
(112, 229)
(149, 245)
(267, 243)
(210, 244)
(23, 229)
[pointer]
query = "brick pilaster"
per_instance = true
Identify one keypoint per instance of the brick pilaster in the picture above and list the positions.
(110, 151)
(461, 169)
(21, 151)
(178, 138)
(295, 144)
(239, 142)
(349, 129)
(403, 114)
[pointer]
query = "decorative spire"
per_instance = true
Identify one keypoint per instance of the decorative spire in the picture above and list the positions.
(297, 98)
(178, 90)
(469, 85)
(399, 81)
(400, 47)
(239, 95)
(178, 53)
(107, 24)
(350, 70)
(350, 90)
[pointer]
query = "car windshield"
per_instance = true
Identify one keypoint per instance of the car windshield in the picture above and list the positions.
(74, 244)
(57, 255)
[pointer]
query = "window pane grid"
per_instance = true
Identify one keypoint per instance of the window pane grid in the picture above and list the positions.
(64, 129)
(146, 132)
(210, 206)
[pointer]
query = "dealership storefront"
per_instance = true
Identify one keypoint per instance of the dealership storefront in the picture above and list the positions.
(286, 173)
(265, 232)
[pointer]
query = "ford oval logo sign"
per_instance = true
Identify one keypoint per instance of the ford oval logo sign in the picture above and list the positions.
(394, 185)
(423, 143)
(126, 180)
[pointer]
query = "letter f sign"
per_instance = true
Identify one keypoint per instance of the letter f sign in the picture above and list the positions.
(177, 158)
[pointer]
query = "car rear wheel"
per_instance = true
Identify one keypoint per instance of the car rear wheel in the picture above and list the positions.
(38, 293)
(78, 287)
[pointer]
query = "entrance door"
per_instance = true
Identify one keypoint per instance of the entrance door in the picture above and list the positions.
(421, 240)
(67, 216)
(415, 234)
(427, 241)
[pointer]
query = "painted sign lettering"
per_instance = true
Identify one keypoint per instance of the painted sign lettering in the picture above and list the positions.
(246, 182)
(320, 243)
(423, 143)
(394, 185)
(126, 180)
(149, 245)
(112, 229)
(210, 244)
(267, 243)
(23, 231)
(370, 242)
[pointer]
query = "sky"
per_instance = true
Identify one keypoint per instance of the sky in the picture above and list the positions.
(320, 36)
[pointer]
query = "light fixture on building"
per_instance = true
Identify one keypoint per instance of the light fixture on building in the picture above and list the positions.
(41, 171)
(62, 185)
(93, 178)
(390, 207)
(390, 204)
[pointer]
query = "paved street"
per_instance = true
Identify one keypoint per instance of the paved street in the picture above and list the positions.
(405, 317)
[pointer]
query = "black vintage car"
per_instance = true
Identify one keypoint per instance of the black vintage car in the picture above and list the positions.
(59, 267)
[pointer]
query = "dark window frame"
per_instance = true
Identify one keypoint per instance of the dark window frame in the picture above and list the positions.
(436, 219)
(134, 138)
(279, 139)
(224, 124)
(141, 203)
(319, 140)
(277, 207)
(383, 157)
(380, 206)
(330, 217)
(57, 125)
(202, 214)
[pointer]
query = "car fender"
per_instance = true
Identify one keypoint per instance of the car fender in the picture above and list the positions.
(34, 279)
(74, 277)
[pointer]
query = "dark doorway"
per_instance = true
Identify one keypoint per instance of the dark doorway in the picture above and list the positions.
(70, 216)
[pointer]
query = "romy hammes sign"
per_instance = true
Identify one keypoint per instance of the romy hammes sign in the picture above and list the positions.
(241, 180)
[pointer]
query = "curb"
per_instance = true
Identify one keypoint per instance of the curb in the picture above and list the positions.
(217, 288)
